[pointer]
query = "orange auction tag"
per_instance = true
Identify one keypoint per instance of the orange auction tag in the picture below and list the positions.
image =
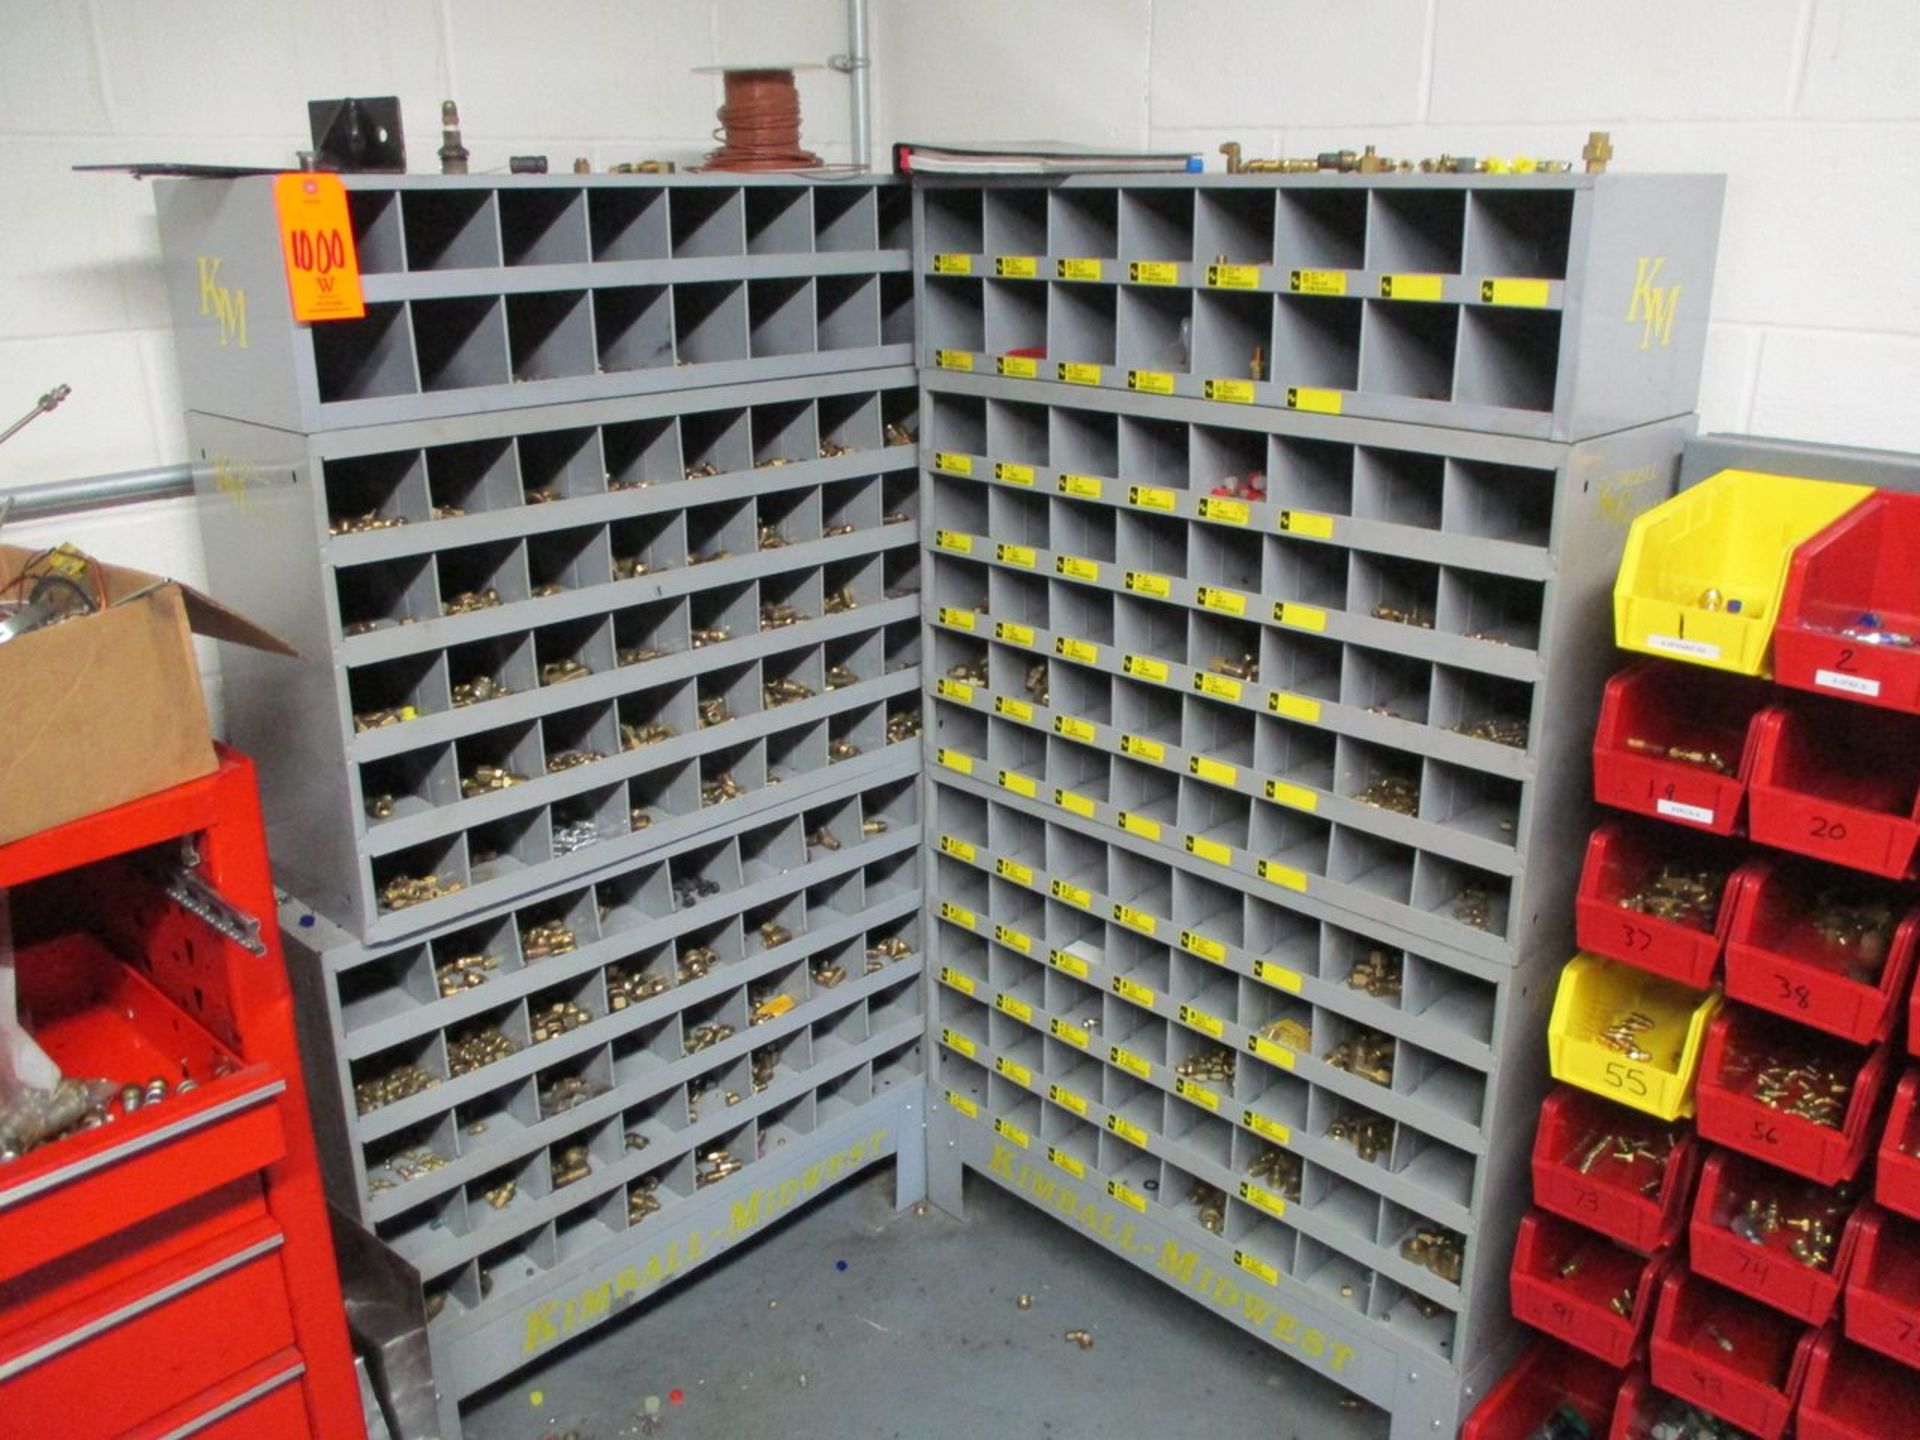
(316, 240)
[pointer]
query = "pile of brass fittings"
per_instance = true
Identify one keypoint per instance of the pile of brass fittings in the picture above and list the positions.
(766, 1060)
(1279, 1170)
(1441, 1251)
(1245, 668)
(379, 807)
(484, 778)
(635, 1140)
(1038, 682)
(826, 974)
(572, 760)
(1392, 792)
(1372, 1135)
(1500, 729)
(407, 1165)
(1678, 1420)
(1288, 1032)
(1813, 1223)
(636, 654)
(500, 1196)
(840, 676)
(1215, 1063)
(694, 963)
(641, 1199)
(778, 614)
(1686, 755)
(902, 725)
(396, 1084)
(467, 601)
(560, 1095)
(1412, 615)
(633, 737)
(840, 601)
(715, 1164)
(710, 635)
(625, 987)
(721, 788)
(1473, 906)
(638, 818)
(842, 749)
(896, 517)
(557, 1019)
(449, 512)
(844, 528)
(559, 672)
(973, 672)
(551, 587)
(1640, 1156)
(1212, 1205)
(1860, 926)
(629, 567)
(359, 524)
(1378, 974)
(404, 890)
(883, 952)
(464, 972)
(707, 557)
(1595, 155)
(481, 687)
(1811, 1089)
(1622, 1034)
(548, 938)
(769, 1002)
(771, 538)
(713, 711)
(773, 933)
(360, 627)
(705, 470)
(829, 449)
(775, 693)
(900, 435)
(1685, 897)
(569, 1166)
(872, 826)
(39, 1117)
(703, 1037)
(380, 719)
(542, 495)
(477, 1048)
(824, 838)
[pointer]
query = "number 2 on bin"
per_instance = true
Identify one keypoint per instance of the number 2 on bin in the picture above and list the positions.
(1626, 1077)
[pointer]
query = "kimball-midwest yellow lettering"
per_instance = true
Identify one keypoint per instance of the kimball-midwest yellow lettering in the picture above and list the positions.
(552, 1321)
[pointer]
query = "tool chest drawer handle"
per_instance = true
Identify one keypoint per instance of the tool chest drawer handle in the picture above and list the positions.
(233, 1404)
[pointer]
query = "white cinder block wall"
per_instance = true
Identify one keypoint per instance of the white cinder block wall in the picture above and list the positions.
(1812, 107)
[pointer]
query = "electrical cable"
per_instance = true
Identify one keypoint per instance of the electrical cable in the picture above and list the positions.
(760, 124)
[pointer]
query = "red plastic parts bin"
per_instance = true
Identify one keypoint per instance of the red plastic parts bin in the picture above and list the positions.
(1897, 1176)
(1738, 1043)
(1654, 708)
(1548, 1376)
(1565, 1279)
(1623, 858)
(1851, 1395)
(1764, 1266)
(1742, 1360)
(1610, 1197)
(1861, 573)
(1778, 960)
(1839, 784)
(1883, 1292)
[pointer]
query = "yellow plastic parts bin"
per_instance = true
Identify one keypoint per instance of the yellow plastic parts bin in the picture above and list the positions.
(1703, 573)
(1668, 1023)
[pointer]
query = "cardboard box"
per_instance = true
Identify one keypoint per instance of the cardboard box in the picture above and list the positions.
(107, 708)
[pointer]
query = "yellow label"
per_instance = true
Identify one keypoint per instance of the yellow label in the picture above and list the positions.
(1018, 367)
(1019, 784)
(1011, 473)
(1297, 796)
(1227, 602)
(1014, 1071)
(955, 760)
(1531, 293)
(954, 690)
(1083, 487)
(1223, 510)
(1221, 687)
(954, 1040)
(1016, 267)
(1014, 632)
(1133, 990)
(1210, 850)
(1066, 1030)
(958, 619)
(953, 464)
(1077, 269)
(1151, 497)
(952, 360)
(1127, 1130)
(958, 914)
(1150, 382)
(1306, 523)
(1129, 1062)
(1294, 707)
(1142, 748)
(1277, 976)
(1138, 920)
(1255, 1266)
(956, 979)
(1300, 617)
(1318, 402)
(1063, 1097)
(1271, 1053)
(1078, 372)
(1013, 870)
(1079, 804)
(1146, 582)
(1072, 965)
(1139, 825)
(1074, 728)
(957, 541)
(1200, 1020)
(1200, 1095)
(1203, 767)
(1128, 1197)
(1014, 709)
(1284, 876)
(1071, 893)
(1231, 392)
(1203, 946)
(953, 264)
(1261, 1125)
(1268, 1201)
(1077, 650)
(1075, 568)
(960, 849)
(1007, 1130)
(1317, 282)
(961, 1103)
(1066, 1162)
(1293, 1035)
(1233, 277)
(1144, 667)
(1014, 939)
(1411, 287)
(1021, 555)
(1154, 272)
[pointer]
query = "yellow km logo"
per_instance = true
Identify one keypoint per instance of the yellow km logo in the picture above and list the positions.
(1652, 305)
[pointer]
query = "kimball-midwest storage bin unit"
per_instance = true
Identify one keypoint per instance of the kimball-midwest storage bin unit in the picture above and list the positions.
(1270, 526)
(599, 537)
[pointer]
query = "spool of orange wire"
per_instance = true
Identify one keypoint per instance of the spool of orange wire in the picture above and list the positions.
(760, 123)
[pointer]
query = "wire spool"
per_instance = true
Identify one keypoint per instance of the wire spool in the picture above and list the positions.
(760, 123)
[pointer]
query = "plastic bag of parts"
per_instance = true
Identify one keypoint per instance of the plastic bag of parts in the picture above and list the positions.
(24, 1066)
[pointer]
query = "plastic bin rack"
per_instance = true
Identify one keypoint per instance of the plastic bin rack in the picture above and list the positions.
(1621, 1175)
(1852, 1395)
(1851, 612)
(1748, 1054)
(1732, 1356)
(1646, 1067)
(1676, 744)
(1883, 1288)
(1778, 1238)
(1838, 783)
(489, 293)
(1897, 1173)
(1703, 574)
(1579, 1287)
(1659, 899)
(1549, 1380)
(1461, 301)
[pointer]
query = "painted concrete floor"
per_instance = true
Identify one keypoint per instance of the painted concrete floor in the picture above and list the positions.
(920, 1337)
